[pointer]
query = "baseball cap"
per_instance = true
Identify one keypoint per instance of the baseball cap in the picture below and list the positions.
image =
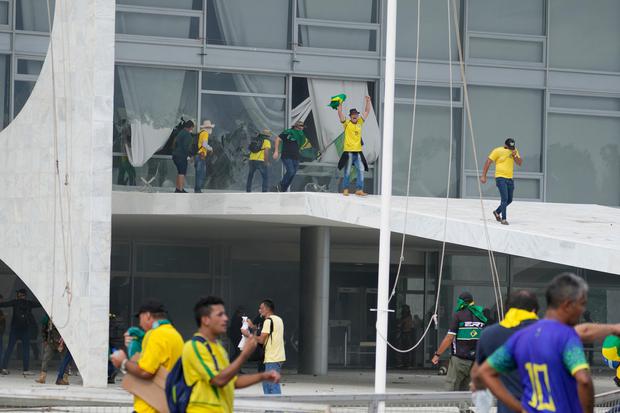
(510, 143)
(151, 306)
(352, 111)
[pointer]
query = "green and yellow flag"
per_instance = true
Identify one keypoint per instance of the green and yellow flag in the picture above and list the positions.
(337, 100)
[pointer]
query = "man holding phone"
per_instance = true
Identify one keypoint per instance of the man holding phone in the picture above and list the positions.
(504, 158)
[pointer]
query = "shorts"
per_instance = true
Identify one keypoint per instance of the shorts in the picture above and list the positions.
(181, 163)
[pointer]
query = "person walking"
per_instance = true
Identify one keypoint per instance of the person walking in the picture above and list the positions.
(272, 338)
(206, 364)
(463, 334)
(52, 344)
(181, 152)
(352, 155)
(405, 337)
(288, 145)
(200, 159)
(162, 346)
(259, 158)
(20, 328)
(548, 355)
(504, 158)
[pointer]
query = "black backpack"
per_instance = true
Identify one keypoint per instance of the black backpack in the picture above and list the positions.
(256, 145)
(259, 352)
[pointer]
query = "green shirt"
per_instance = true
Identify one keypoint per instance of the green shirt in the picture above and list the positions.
(182, 144)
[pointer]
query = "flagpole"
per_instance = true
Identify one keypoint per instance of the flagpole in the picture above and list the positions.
(386, 200)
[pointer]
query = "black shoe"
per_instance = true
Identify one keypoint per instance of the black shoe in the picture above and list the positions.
(497, 217)
(278, 188)
(197, 191)
(183, 191)
(176, 191)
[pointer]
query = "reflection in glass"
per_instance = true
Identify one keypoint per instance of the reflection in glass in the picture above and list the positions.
(507, 16)
(159, 25)
(173, 4)
(583, 159)
(23, 89)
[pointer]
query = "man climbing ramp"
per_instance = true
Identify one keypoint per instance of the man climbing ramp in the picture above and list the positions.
(504, 158)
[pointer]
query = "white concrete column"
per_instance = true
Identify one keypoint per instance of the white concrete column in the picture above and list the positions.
(314, 302)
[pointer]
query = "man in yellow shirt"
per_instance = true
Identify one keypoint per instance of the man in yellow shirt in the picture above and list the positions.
(259, 158)
(272, 338)
(504, 158)
(352, 150)
(206, 366)
(200, 160)
(162, 346)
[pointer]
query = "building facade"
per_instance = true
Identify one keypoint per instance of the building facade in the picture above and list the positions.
(246, 65)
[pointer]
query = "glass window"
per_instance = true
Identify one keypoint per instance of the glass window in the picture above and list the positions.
(473, 267)
(435, 93)
(165, 258)
(230, 82)
(4, 13)
(5, 76)
(503, 49)
(359, 11)
(23, 89)
(263, 24)
(583, 159)
(430, 150)
(527, 272)
(29, 67)
(337, 38)
(238, 117)
(433, 30)
(585, 102)
(159, 25)
(598, 25)
(507, 16)
(524, 188)
(32, 15)
(501, 112)
(173, 4)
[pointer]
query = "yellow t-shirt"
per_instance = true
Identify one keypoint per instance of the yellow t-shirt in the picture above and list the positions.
(274, 346)
(161, 346)
(196, 368)
(260, 156)
(504, 162)
(203, 139)
(353, 135)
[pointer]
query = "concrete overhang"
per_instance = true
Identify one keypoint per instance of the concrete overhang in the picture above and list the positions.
(578, 235)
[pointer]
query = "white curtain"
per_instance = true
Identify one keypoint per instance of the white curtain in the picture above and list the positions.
(328, 126)
(243, 22)
(152, 101)
(153, 24)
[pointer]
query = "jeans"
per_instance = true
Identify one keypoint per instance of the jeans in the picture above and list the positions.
(355, 159)
(268, 387)
(506, 188)
(201, 172)
(260, 167)
(16, 335)
(63, 365)
(291, 166)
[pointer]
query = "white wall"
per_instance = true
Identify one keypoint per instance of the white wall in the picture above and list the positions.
(56, 232)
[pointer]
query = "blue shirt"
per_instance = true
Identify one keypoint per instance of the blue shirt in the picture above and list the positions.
(547, 354)
(492, 338)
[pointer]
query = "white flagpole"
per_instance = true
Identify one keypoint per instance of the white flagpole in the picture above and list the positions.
(386, 200)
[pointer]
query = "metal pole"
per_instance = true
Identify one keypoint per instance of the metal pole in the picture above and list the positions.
(386, 199)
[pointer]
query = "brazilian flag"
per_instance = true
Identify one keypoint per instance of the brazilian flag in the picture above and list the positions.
(337, 100)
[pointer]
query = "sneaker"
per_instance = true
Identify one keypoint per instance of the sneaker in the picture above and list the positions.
(359, 192)
(176, 191)
(197, 191)
(504, 222)
(345, 192)
(4, 372)
(183, 191)
(62, 382)
(27, 373)
(497, 217)
(278, 188)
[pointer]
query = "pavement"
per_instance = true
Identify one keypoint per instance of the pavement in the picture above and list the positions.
(16, 386)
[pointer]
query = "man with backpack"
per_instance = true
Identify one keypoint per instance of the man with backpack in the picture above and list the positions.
(272, 339)
(259, 158)
(207, 373)
(288, 145)
(20, 328)
(162, 346)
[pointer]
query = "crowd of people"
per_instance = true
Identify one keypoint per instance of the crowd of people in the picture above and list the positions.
(529, 365)
(286, 146)
(202, 362)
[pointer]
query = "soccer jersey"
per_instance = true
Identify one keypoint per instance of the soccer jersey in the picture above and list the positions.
(547, 354)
